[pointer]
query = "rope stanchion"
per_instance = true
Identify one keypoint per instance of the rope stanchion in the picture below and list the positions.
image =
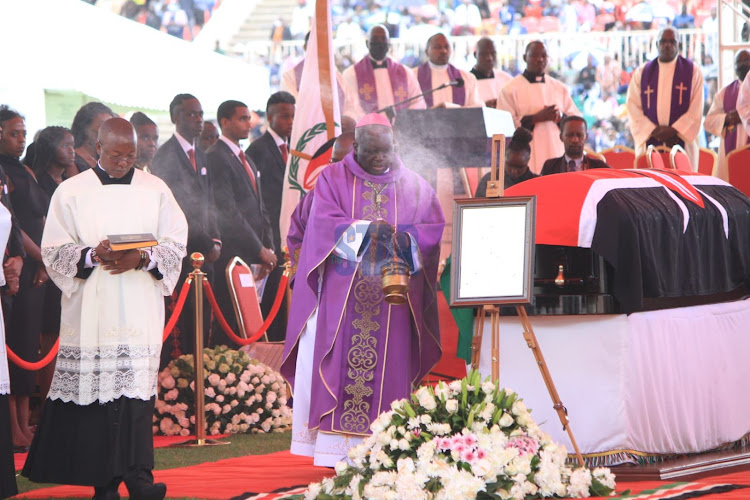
(27, 365)
(177, 308)
(269, 319)
(47, 359)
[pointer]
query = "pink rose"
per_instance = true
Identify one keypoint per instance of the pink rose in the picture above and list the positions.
(185, 432)
(231, 378)
(168, 382)
(214, 379)
(165, 426)
(210, 392)
(184, 422)
(171, 395)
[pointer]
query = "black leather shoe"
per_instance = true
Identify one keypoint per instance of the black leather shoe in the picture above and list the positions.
(156, 491)
(106, 493)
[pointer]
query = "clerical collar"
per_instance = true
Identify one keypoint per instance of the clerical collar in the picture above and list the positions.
(379, 64)
(482, 76)
(533, 78)
(438, 66)
(107, 179)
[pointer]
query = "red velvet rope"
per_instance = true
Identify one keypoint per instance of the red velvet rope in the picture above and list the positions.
(27, 365)
(271, 315)
(177, 308)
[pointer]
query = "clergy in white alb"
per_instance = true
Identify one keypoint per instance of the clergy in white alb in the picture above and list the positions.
(377, 81)
(665, 100)
(95, 428)
(538, 102)
(438, 71)
(490, 80)
(729, 110)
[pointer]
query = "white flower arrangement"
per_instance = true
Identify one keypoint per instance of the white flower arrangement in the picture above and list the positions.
(242, 395)
(466, 439)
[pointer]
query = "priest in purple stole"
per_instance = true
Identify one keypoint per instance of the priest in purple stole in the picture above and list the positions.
(730, 108)
(377, 81)
(438, 71)
(665, 100)
(348, 353)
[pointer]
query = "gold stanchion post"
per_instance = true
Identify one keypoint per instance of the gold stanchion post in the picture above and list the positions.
(200, 416)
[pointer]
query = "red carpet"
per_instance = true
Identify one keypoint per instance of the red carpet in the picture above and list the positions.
(223, 479)
(246, 477)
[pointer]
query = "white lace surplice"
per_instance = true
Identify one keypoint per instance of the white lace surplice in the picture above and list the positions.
(4, 233)
(111, 325)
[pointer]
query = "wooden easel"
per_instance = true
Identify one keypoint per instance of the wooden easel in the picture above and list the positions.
(495, 188)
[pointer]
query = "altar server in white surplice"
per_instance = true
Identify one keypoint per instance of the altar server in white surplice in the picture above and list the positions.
(490, 80)
(665, 100)
(438, 71)
(538, 102)
(729, 110)
(112, 322)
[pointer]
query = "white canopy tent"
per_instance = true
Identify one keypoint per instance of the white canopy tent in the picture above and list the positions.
(70, 45)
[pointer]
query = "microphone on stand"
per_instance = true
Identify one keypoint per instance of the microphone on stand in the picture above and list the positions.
(390, 111)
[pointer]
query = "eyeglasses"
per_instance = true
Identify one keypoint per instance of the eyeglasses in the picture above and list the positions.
(120, 159)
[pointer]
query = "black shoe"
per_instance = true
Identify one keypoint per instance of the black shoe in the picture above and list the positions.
(156, 491)
(106, 493)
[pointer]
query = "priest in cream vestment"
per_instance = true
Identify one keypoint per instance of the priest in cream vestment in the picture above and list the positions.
(665, 100)
(95, 428)
(538, 102)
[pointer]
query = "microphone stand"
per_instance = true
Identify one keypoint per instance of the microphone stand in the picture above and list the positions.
(390, 111)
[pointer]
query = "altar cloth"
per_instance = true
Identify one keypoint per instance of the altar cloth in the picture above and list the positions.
(650, 383)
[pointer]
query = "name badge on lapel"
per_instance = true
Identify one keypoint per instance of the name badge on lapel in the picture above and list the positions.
(203, 171)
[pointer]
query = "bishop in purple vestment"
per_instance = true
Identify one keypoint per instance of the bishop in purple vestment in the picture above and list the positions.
(348, 353)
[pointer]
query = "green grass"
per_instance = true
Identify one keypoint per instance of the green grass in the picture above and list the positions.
(170, 458)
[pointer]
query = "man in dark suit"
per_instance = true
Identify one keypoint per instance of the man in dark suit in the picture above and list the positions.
(573, 134)
(238, 194)
(270, 154)
(184, 169)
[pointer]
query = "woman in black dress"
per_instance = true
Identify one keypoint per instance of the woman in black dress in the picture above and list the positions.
(54, 160)
(24, 323)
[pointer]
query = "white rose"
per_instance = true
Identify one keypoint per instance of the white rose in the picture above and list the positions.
(481, 467)
(518, 408)
(488, 387)
(403, 445)
(505, 421)
(426, 400)
(405, 465)
(340, 467)
(451, 405)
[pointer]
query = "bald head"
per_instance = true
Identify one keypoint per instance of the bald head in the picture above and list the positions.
(342, 147)
(117, 146)
(347, 124)
(668, 44)
(378, 42)
(486, 55)
(742, 63)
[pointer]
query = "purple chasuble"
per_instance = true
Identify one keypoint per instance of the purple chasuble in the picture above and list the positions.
(682, 85)
(298, 79)
(367, 353)
(297, 226)
(424, 75)
(730, 104)
(367, 89)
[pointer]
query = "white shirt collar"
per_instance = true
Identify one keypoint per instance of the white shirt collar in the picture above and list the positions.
(438, 66)
(276, 137)
(578, 160)
(234, 147)
(186, 146)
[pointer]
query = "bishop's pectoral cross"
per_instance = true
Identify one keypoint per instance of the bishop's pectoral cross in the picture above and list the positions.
(682, 88)
(648, 93)
(366, 91)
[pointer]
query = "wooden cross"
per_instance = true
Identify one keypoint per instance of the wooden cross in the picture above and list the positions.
(682, 88)
(400, 94)
(648, 93)
(366, 90)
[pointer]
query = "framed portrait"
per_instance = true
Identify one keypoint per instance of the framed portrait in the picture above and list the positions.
(493, 251)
